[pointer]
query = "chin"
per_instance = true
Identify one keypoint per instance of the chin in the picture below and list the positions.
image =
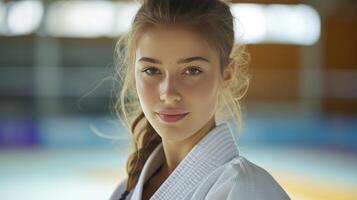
(171, 133)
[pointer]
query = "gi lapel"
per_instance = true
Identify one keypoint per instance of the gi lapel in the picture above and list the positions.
(215, 149)
(153, 162)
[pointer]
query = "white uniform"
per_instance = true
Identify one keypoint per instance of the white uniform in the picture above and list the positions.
(212, 170)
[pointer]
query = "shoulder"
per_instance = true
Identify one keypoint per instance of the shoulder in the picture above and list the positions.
(241, 178)
(119, 190)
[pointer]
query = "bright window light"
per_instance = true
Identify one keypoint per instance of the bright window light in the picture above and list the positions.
(125, 14)
(250, 24)
(276, 23)
(90, 18)
(299, 24)
(2, 17)
(255, 23)
(81, 18)
(24, 17)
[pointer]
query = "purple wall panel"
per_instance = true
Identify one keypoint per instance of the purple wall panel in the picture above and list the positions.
(18, 132)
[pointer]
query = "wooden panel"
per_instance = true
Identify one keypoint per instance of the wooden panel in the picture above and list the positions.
(275, 72)
(268, 1)
(274, 56)
(340, 60)
(341, 43)
(340, 106)
(274, 85)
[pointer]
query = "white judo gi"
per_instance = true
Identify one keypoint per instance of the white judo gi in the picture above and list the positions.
(212, 170)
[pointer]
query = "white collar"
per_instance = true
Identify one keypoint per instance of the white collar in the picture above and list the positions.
(213, 150)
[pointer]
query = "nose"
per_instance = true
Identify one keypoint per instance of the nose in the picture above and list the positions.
(168, 90)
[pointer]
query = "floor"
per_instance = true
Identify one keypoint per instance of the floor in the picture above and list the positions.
(63, 165)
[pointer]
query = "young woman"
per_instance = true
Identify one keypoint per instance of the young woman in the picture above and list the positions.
(183, 79)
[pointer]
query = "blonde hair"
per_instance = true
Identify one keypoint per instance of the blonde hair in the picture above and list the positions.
(214, 21)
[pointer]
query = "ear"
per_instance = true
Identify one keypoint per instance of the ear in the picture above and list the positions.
(228, 73)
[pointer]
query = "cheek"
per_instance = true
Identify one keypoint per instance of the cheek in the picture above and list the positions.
(146, 90)
(202, 92)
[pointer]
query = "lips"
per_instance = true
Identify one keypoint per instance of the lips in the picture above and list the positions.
(171, 116)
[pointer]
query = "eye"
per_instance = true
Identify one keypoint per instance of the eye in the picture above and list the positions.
(192, 71)
(151, 70)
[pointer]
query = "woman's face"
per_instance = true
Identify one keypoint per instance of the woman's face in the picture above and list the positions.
(177, 80)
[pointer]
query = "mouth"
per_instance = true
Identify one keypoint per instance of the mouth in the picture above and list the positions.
(170, 118)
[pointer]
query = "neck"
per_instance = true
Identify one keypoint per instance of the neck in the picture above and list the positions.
(176, 151)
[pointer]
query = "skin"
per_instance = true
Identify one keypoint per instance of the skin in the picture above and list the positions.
(190, 86)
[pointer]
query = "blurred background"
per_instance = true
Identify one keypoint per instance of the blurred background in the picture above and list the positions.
(57, 95)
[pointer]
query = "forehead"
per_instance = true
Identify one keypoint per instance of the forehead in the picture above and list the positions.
(166, 43)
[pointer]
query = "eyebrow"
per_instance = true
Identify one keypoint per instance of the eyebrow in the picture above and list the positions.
(181, 61)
